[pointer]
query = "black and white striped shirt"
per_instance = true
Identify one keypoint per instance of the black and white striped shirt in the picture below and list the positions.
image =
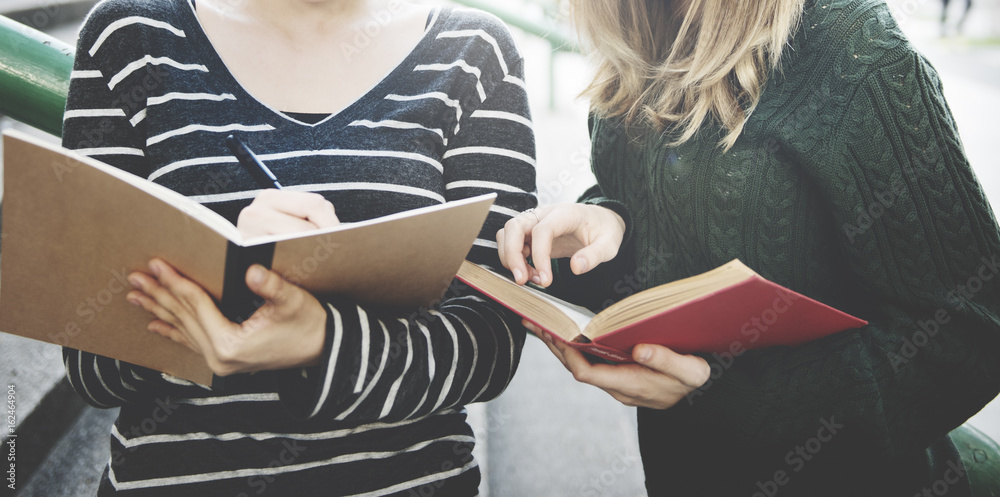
(383, 414)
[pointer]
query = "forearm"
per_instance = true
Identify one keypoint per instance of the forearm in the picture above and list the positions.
(390, 367)
(105, 382)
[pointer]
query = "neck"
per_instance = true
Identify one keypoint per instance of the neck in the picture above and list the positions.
(301, 16)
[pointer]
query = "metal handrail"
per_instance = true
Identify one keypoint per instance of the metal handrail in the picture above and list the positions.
(34, 76)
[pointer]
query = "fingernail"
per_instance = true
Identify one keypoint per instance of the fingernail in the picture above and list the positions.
(154, 267)
(536, 280)
(257, 274)
(517, 274)
(132, 300)
(581, 264)
(645, 354)
(134, 281)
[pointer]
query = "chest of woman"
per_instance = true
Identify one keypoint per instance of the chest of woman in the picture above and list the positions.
(695, 207)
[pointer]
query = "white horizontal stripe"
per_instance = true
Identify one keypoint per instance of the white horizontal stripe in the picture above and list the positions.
(137, 118)
(485, 243)
(503, 211)
(485, 36)
(156, 61)
(175, 380)
(353, 153)
(197, 161)
(450, 102)
(496, 114)
(271, 470)
(489, 185)
(188, 96)
(385, 187)
(70, 114)
(517, 81)
(228, 399)
(194, 128)
(110, 151)
(325, 187)
(128, 21)
(398, 125)
(86, 74)
(464, 66)
(503, 152)
(231, 436)
(420, 482)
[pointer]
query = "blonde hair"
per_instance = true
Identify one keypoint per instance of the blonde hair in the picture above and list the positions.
(674, 64)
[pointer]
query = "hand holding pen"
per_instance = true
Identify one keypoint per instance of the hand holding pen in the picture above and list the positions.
(278, 211)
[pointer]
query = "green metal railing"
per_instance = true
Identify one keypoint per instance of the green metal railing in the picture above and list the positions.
(34, 76)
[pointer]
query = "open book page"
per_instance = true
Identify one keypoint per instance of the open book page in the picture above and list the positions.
(659, 299)
(579, 314)
(552, 314)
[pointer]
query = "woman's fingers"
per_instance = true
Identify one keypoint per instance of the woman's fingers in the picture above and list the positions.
(512, 244)
(311, 207)
(276, 212)
(690, 370)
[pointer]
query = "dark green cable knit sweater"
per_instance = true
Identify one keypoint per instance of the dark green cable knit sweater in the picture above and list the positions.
(850, 185)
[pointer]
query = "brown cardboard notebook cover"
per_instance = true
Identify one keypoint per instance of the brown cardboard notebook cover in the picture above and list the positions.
(74, 228)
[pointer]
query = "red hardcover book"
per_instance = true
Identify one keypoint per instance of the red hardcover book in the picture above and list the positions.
(728, 309)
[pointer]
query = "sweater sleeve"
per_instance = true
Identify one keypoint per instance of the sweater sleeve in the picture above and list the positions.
(103, 120)
(922, 245)
(390, 366)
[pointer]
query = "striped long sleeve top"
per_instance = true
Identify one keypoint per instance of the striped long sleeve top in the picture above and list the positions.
(383, 412)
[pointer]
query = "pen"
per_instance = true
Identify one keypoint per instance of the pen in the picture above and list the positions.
(251, 163)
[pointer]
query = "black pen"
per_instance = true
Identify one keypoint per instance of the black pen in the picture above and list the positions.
(251, 163)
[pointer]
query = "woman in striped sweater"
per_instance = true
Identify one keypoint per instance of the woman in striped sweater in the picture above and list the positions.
(361, 109)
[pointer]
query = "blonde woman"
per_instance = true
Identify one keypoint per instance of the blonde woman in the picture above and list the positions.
(809, 139)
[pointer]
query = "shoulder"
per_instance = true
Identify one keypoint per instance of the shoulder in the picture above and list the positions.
(475, 28)
(852, 38)
(118, 13)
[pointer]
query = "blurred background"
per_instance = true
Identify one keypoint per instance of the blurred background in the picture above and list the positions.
(546, 435)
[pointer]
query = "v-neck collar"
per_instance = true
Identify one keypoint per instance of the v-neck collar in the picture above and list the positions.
(218, 69)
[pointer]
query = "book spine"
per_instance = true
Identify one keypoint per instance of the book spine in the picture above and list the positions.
(597, 350)
(238, 302)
